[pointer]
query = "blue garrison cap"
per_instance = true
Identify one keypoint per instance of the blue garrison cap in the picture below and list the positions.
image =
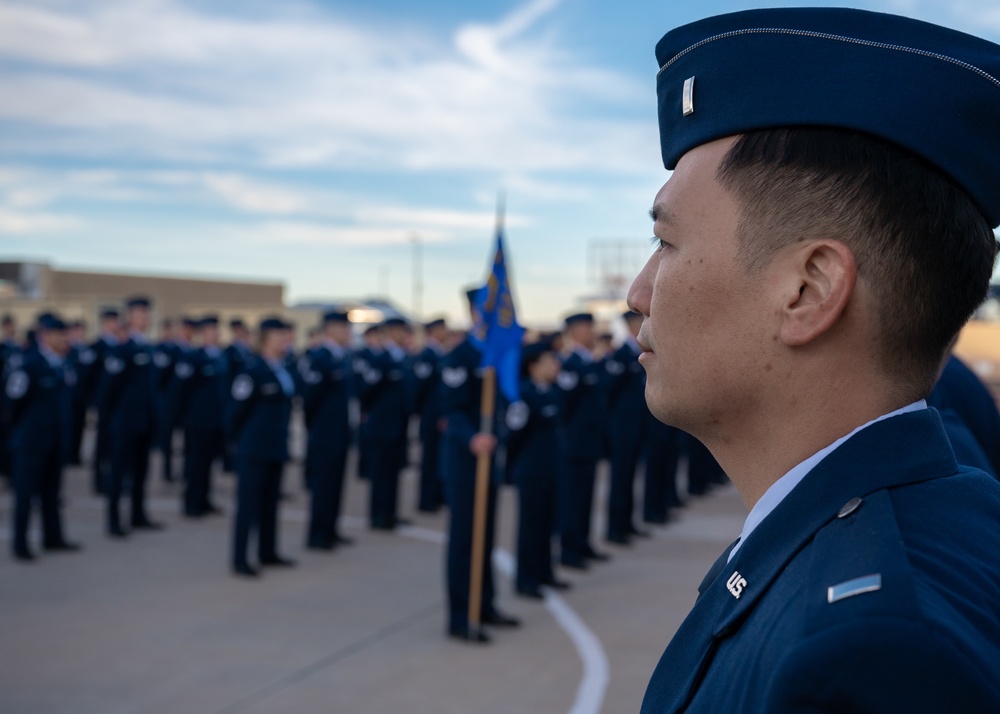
(50, 321)
(579, 317)
(209, 321)
(335, 316)
(237, 323)
(138, 301)
(109, 313)
(395, 322)
(928, 89)
(273, 323)
(531, 352)
(438, 322)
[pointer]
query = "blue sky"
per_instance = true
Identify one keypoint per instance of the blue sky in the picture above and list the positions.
(308, 141)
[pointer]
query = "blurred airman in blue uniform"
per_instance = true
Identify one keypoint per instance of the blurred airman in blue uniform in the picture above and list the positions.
(10, 350)
(202, 392)
(37, 399)
(464, 442)
(826, 231)
(960, 391)
(89, 383)
(258, 422)
(384, 392)
(427, 404)
(129, 391)
(237, 354)
(536, 451)
(327, 375)
(628, 424)
(584, 414)
(80, 359)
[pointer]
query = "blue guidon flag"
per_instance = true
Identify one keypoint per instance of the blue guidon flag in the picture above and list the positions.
(496, 332)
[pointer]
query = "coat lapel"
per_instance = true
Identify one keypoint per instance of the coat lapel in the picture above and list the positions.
(909, 448)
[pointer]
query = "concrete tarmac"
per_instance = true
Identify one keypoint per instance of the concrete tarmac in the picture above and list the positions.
(156, 623)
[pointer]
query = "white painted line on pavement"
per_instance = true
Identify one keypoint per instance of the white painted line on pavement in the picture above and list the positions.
(596, 670)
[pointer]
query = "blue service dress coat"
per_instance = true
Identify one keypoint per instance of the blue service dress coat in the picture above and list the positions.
(327, 376)
(462, 385)
(872, 587)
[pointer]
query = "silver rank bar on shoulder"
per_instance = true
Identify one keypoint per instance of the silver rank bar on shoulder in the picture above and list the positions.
(866, 584)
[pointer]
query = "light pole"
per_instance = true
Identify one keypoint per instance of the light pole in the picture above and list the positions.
(417, 261)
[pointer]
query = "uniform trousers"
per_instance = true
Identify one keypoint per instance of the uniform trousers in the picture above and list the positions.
(129, 456)
(576, 504)
(102, 454)
(626, 447)
(536, 525)
(36, 474)
(431, 490)
(325, 464)
(460, 491)
(201, 447)
(660, 492)
(257, 491)
(384, 463)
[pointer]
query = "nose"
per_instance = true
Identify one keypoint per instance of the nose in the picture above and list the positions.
(641, 292)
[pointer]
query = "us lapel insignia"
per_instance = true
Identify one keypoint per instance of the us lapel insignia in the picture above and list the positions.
(736, 584)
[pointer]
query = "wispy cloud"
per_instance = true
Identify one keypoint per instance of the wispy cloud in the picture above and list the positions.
(303, 88)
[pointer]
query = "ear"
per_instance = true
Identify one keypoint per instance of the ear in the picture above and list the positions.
(822, 281)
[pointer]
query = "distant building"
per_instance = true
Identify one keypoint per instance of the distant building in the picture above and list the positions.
(27, 288)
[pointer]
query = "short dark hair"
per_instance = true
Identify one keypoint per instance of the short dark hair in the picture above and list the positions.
(921, 245)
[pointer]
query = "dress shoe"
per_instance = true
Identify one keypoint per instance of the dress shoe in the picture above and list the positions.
(400, 522)
(188, 513)
(278, 561)
(592, 554)
(498, 619)
(468, 635)
(144, 524)
(638, 533)
(117, 532)
(23, 554)
(381, 525)
(557, 584)
(533, 593)
(212, 510)
(618, 539)
(64, 546)
(573, 561)
(245, 570)
(320, 546)
(342, 540)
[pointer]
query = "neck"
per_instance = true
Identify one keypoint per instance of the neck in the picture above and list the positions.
(764, 443)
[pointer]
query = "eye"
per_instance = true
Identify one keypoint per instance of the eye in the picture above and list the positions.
(658, 244)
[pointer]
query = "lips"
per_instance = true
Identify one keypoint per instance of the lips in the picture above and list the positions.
(643, 343)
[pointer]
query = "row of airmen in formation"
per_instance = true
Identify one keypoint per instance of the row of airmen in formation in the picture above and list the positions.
(581, 401)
